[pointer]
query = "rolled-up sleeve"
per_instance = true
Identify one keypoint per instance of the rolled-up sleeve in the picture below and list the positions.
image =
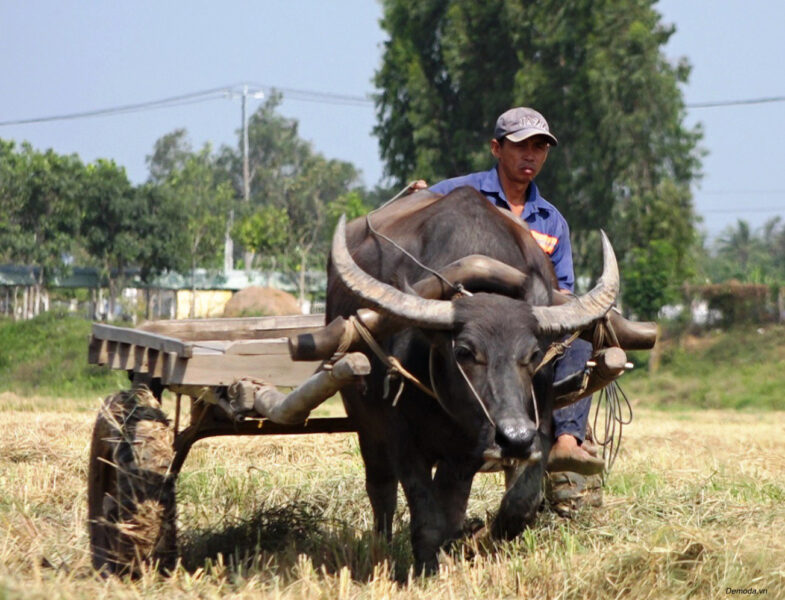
(562, 258)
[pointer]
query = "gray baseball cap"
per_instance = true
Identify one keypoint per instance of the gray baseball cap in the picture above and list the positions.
(521, 123)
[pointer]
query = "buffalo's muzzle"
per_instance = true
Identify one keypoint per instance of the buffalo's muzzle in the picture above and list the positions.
(516, 438)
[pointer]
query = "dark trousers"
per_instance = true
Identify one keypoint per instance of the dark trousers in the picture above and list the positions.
(572, 419)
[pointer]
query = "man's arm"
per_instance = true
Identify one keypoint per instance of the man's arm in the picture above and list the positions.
(562, 260)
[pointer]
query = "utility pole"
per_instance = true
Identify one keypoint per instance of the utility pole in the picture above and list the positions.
(228, 242)
(246, 170)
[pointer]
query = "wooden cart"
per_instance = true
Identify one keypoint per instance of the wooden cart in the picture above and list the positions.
(230, 371)
(137, 452)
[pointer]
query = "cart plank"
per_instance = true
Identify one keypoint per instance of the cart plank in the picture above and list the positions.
(259, 347)
(209, 370)
(244, 328)
(135, 337)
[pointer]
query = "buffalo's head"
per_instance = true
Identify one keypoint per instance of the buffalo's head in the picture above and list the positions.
(485, 348)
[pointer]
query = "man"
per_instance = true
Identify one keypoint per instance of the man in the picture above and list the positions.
(521, 142)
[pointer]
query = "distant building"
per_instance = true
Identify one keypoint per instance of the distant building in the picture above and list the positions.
(167, 296)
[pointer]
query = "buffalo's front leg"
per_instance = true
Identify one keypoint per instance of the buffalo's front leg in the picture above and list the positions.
(523, 497)
(452, 486)
(381, 484)
(428, 522)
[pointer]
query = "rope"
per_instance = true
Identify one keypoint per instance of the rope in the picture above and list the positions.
(604, 334)
(474, 391)
(392, 363)
(616, 405)
(618, 410)
(457, 287)
(536, 410)
(557, 349)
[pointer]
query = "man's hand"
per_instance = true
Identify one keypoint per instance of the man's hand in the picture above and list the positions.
(417, 185)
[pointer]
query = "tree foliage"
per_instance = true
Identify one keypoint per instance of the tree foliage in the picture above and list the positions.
(265, 231)
(291, 186)
(41, 195)
(54, 210)
(744, 254)
(170, 153)
(595, 68)
(164, 241)
(110, 224)
(204, 202)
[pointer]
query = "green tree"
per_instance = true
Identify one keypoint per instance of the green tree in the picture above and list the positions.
(110, 228)
(11, 177)
(308, 197)
(203, 201)
(170, 153)
(595, 68)
(275, 155)
(747, 255)
(41, 203)
(649, 278)
(265, 232)
(353, 204)
(164, 244)
(287, 175)
(774, 240)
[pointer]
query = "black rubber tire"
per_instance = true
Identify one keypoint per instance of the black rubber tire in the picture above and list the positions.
(130, 488)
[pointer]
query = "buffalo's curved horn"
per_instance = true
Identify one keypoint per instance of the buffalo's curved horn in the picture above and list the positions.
(476, 273)
(430, 314)
(583, 310)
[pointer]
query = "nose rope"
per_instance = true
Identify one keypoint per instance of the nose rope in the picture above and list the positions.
(471, 387)
(536, 410)
(482, 404)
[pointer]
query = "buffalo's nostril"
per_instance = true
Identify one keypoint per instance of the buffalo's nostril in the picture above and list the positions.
(515, 438)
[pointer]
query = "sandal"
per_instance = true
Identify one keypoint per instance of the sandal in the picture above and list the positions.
(568, 492)
(584, 465)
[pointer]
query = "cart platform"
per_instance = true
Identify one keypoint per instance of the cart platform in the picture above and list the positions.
(206, 352)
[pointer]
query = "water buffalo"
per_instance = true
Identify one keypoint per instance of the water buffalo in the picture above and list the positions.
(477, 352)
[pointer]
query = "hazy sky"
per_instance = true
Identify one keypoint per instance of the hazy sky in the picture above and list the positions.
(59, 57)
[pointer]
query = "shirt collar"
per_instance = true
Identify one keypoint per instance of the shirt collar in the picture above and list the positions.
(491, 185)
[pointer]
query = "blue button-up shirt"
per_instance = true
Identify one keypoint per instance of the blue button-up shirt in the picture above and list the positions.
(546, 223)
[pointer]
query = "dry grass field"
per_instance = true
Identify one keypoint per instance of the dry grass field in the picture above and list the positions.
(695, 507)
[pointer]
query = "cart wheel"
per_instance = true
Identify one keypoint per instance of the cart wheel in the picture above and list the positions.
(130, 489)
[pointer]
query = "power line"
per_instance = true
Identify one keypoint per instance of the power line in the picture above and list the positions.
(190, 98)
(313, 96)
(736, 102)
(289, 94)
(742, 211)
(198, 97)
(737, 192)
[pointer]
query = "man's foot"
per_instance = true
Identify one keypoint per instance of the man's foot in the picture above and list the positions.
(567, 455)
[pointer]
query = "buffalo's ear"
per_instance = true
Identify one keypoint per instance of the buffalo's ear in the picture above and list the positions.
(539, 292)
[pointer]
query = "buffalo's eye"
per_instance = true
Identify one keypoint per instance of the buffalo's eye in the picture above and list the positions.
(532, 359)
(464, 353)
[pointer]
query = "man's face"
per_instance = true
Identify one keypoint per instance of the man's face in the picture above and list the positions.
(520, 162)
